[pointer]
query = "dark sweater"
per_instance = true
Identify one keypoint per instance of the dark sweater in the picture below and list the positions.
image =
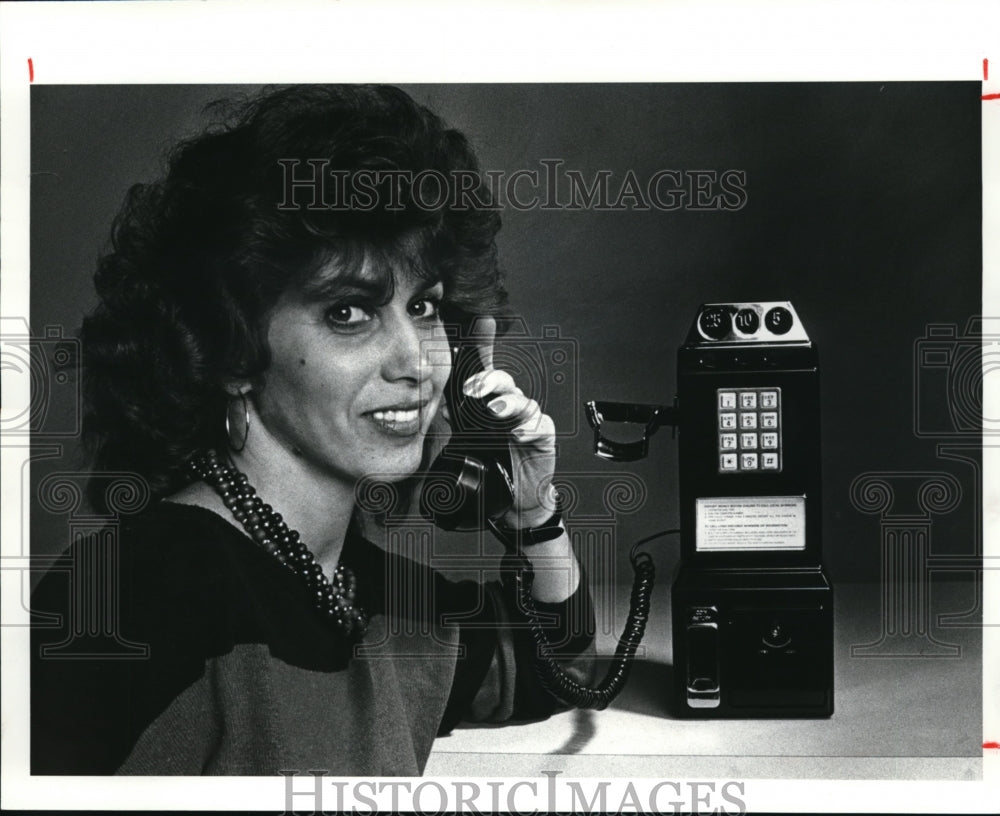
(243, 677)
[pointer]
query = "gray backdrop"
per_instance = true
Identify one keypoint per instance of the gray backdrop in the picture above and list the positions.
(863, 208)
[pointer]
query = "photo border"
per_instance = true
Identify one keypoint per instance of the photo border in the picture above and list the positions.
(220, 42)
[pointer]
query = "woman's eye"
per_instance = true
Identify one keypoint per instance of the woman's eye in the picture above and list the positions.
(346, 314)
(425, 307)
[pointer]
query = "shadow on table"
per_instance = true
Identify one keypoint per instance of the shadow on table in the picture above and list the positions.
(646, 692)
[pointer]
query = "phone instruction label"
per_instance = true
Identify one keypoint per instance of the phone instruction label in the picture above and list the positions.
(746, 523)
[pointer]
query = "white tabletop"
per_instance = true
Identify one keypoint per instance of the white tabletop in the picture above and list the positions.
(895, 717)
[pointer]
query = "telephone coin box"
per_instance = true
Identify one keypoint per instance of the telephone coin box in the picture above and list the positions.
(752, 607)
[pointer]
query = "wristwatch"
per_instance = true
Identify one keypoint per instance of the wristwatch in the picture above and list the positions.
(514, 538)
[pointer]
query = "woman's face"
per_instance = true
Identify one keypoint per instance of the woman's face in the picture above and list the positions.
(354, 382)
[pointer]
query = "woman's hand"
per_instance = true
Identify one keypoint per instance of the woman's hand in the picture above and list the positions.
(532, 437)
(533, 457)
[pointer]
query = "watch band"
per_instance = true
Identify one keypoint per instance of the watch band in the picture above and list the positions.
(514, 538)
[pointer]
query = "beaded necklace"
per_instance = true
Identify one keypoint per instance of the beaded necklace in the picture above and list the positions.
(333, 600)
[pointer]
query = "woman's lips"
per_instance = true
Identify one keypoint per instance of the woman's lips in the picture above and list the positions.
(396, 421)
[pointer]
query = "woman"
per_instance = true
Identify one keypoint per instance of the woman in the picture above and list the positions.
(255, 335)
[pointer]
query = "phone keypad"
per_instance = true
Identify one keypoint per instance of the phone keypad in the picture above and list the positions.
(749, 430)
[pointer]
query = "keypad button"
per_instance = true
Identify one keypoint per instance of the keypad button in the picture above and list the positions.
(769, 440)
(727, 421)
(748, 399)
(748, 440)
(727, 461)
(748, 420)
(768, 399)
(727, 441)
(748, 461)
(769, 420)
(769, 461)
(727, 399)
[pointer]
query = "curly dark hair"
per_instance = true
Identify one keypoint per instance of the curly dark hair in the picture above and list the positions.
(199, 257)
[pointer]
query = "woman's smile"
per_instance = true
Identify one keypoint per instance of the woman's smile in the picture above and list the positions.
(403, 421)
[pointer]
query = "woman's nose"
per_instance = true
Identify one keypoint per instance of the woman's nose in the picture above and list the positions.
(407, 353)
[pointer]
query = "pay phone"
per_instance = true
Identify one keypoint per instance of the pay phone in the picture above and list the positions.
(752, 608)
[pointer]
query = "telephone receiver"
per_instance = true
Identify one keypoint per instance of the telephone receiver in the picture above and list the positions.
(471, 480)
(470, 484)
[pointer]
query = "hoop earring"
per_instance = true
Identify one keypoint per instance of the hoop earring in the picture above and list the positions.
(246, 425)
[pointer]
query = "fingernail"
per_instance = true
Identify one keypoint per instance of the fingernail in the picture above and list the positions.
(497, 406)
(518, 432)
(469, 386)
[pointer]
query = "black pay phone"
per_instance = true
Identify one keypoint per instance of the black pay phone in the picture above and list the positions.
(752, 608)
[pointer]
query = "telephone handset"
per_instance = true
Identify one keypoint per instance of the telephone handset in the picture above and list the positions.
(471, 480)
(470, 486)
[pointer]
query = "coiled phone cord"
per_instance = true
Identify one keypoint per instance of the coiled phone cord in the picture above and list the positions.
(550, 674)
